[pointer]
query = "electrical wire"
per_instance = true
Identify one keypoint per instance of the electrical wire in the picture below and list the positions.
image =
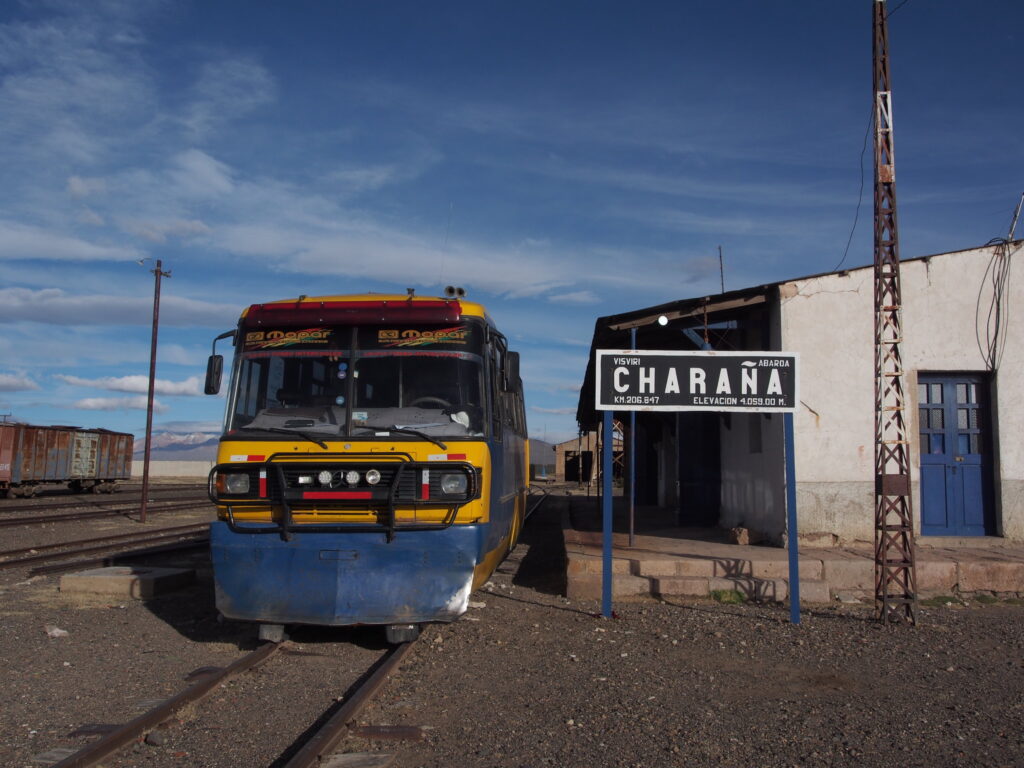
(863, 151)
(890, 13)
(990, 331)
(860, 194)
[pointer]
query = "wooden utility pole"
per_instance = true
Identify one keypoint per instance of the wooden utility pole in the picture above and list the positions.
(159, 273)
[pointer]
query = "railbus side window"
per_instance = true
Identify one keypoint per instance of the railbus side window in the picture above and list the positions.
(520, 409)
(249, 396)
(496, 365)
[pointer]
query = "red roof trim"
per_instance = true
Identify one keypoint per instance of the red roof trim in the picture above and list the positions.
(385, 311)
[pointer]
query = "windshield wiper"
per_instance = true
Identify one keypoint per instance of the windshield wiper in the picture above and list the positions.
(284, 431)
(405, 430)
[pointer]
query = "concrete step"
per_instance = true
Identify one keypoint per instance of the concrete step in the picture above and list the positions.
(724, 567)
(752, 588)
(589, 586)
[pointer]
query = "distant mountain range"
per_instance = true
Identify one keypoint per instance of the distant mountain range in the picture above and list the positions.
(179, 446)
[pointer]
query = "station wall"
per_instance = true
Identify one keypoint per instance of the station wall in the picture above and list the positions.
(829, 321)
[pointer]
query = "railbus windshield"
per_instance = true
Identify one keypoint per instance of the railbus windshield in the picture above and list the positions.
(355, 381)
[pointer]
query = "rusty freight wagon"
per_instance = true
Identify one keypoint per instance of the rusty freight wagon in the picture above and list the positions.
(83, 459)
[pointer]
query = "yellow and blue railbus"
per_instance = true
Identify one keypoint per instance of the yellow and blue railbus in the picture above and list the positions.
(373, 467)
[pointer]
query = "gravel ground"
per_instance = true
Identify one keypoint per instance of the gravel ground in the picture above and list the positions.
(528, 678)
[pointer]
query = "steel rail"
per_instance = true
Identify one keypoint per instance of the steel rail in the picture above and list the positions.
(541, 500)
(114, 557)
(89, 501)
(97, 539)
(64, 516)
(143, 539)
(333, 731)
(112, 742)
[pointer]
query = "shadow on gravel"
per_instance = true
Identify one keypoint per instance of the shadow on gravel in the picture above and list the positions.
(542, 568)
(778, 614)
(566, 608)
(192, 612)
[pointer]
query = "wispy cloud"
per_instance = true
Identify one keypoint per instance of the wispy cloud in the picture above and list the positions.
(190, 386)
(138, 403)
(15, 382)
(560, 411)
(80, 188)
(54, 306)
(23, 241)
(227, 90)
(575, 297)
(184, 427)
(159, 231)
(198, 175)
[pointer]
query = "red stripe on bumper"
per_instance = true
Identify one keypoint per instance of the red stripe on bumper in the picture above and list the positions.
(337, 495)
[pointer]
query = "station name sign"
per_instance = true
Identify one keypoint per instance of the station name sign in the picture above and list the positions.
(663, 380)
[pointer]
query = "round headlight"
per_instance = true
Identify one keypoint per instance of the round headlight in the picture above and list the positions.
(454, 484)
(236, 483)
(325, 477)
(352, 477)
(372, 476)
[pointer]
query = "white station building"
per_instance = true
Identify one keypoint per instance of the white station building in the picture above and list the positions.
(963, 355)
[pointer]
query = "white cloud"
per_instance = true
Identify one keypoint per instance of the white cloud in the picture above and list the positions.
(89, 216)
(559, 411)
(138, 403)
(186, 427)
(227, 90)
(159, 231)
(190, 386)
(369, 178)
(576, 297)
(79, 187)
(13, 382)
(55, 306)
(66, 83)
(22, 241)
(199, 175)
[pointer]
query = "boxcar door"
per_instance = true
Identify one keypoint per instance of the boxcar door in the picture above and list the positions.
(956, 466)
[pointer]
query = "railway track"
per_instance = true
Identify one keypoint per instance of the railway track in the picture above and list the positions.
(44, 553)
(311, 748)
(152, 508)
(82, 501)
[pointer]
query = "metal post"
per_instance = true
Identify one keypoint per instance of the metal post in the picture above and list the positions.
(606, 517)
(152, 380)
(791, 533)
(632, 460)
(895, 571)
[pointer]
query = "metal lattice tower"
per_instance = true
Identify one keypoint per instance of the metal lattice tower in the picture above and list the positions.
(895, 578)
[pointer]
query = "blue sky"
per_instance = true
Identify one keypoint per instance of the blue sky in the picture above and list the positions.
(561, 161)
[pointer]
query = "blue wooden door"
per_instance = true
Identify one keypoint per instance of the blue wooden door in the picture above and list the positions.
(956, 479)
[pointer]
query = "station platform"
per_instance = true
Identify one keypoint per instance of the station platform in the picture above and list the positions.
(669, 560)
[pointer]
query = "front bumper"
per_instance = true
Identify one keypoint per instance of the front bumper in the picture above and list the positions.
(339, 579)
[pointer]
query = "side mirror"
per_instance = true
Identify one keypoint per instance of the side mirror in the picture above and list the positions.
(214, 371)
(511, 370)
(215, 366)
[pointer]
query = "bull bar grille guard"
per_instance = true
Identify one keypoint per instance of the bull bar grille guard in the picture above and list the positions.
(403, 464)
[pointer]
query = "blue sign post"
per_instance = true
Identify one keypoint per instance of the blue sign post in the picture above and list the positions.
(791, 540)
(608, 446)
(672, 380)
